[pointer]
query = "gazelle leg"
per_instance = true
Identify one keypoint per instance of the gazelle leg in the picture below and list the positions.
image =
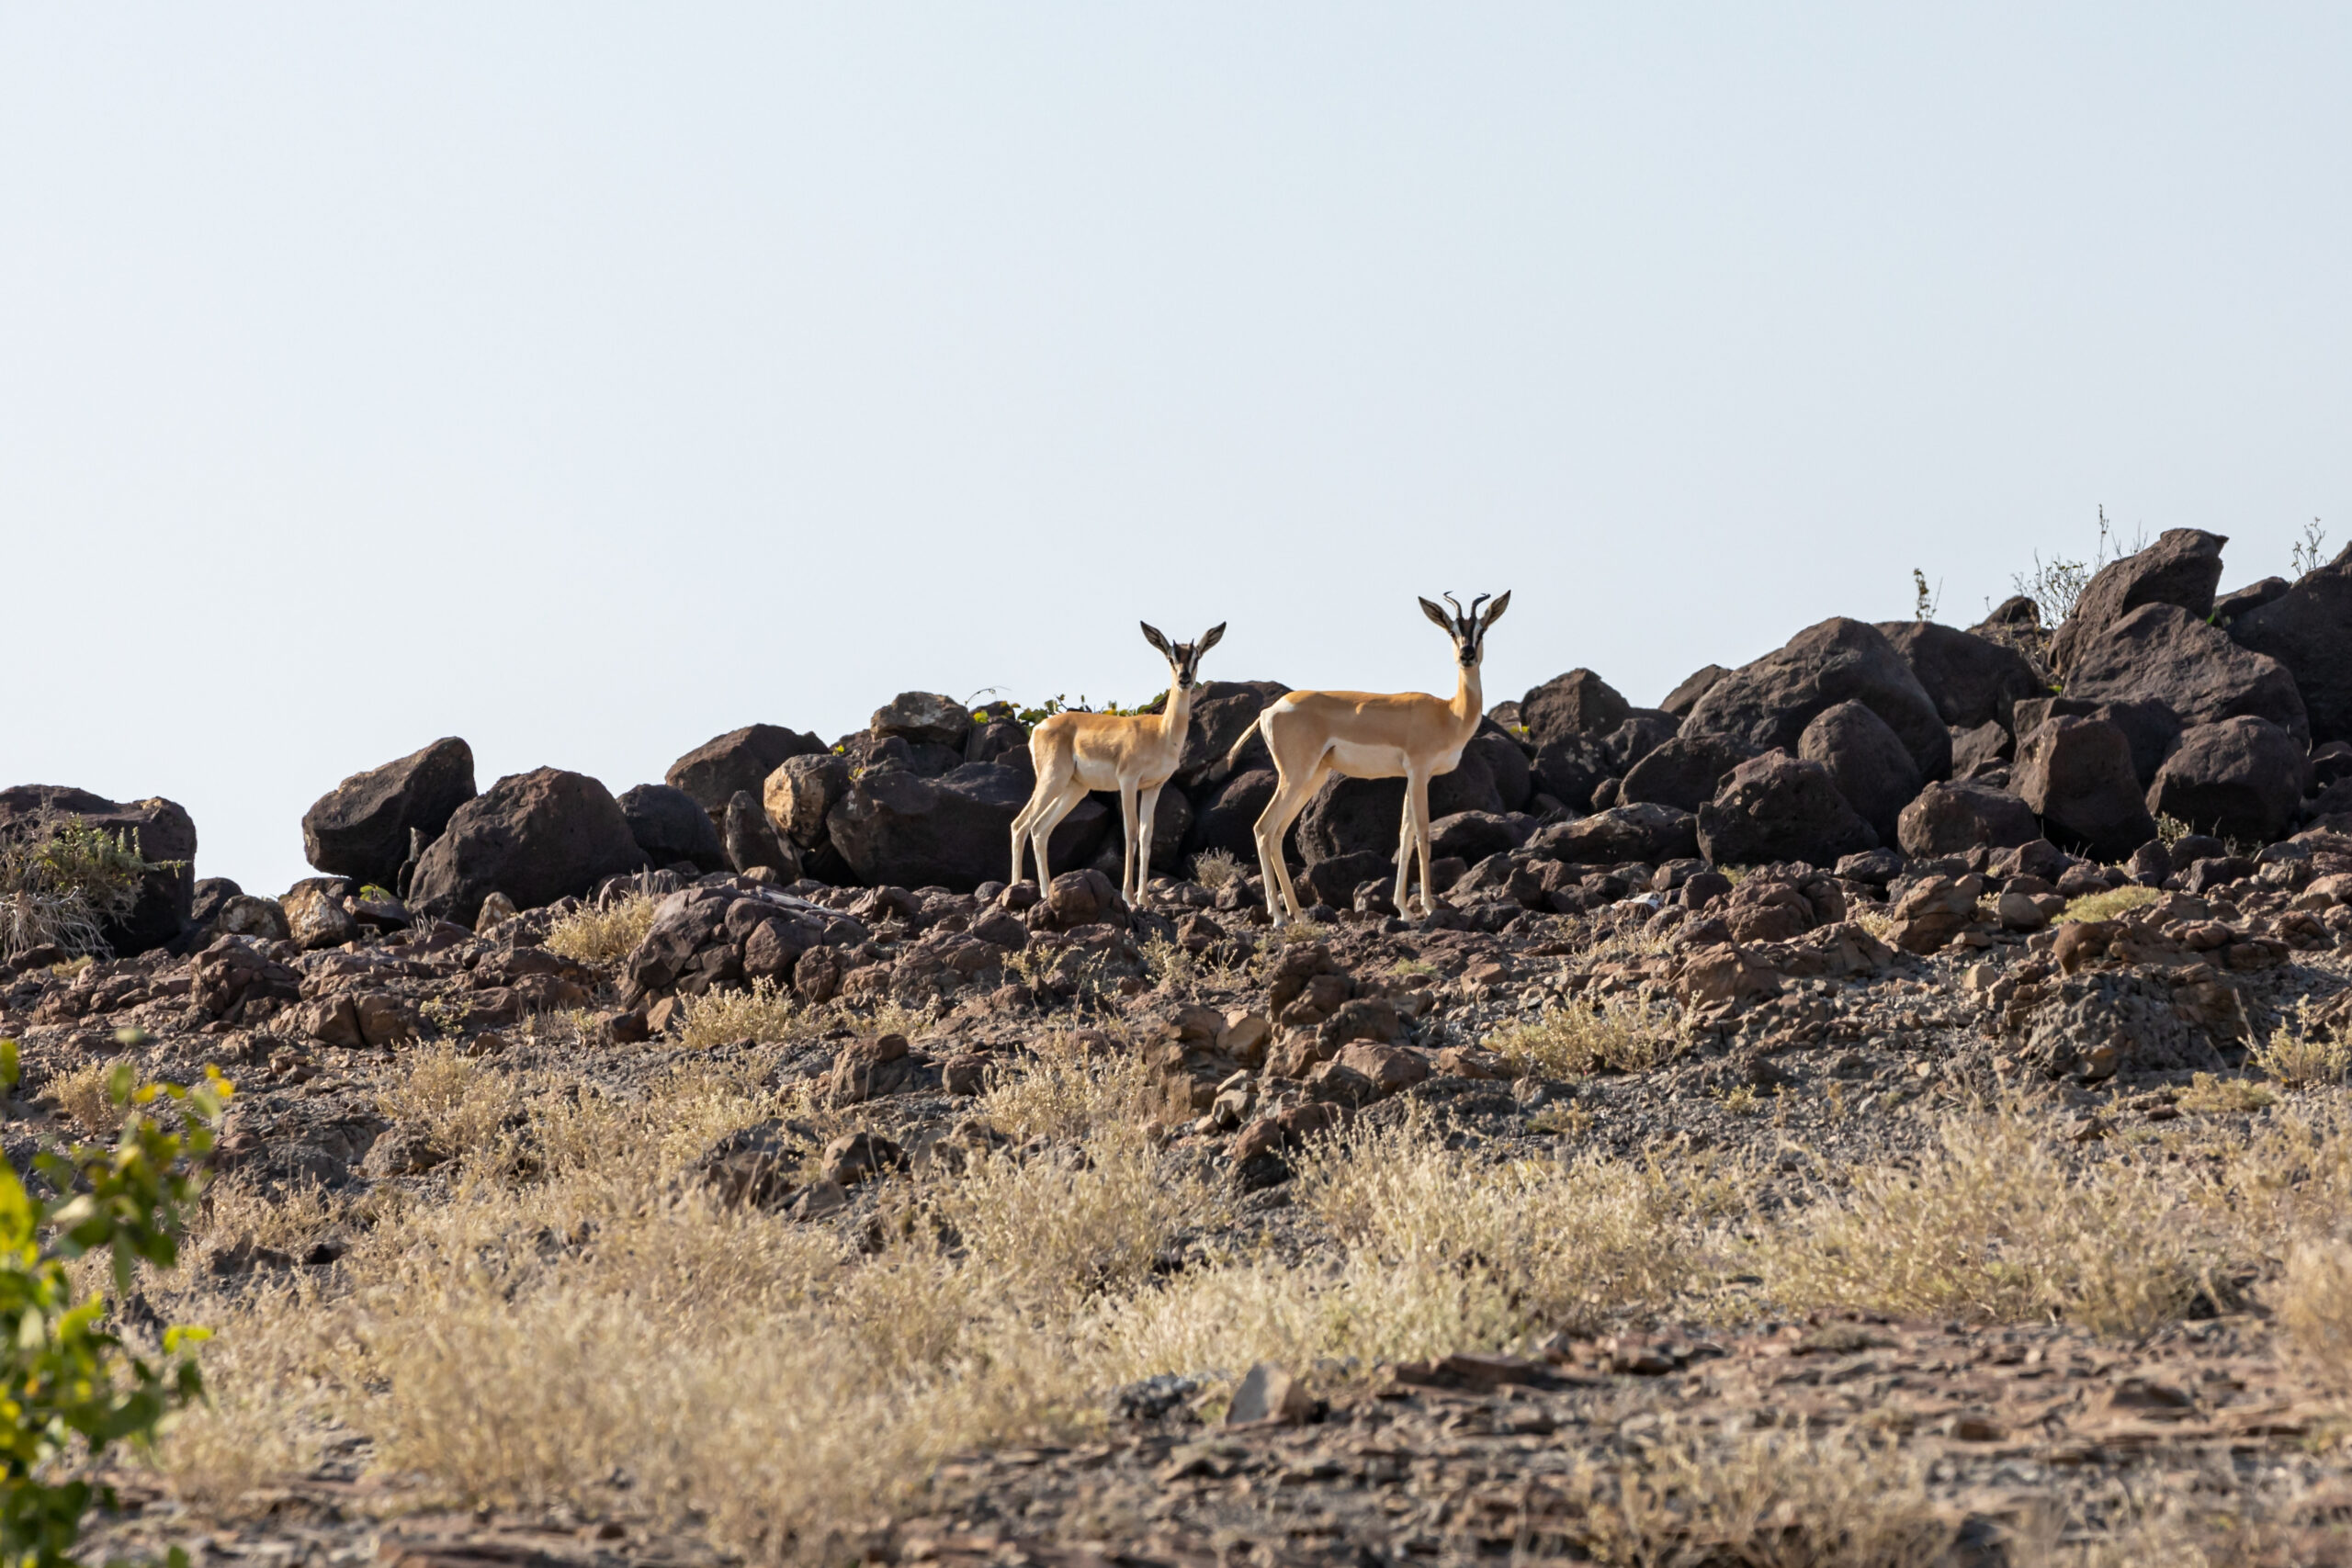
(1149, 806)
(1416, 799)
(1126, 837)
(1041, 831)
(1405, 841)
(1291, 796)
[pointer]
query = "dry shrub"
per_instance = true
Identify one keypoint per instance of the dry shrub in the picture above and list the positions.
(1063, 1090)
(462, 1106)
(2313, 1300)
(1990, 1224)
(606, 935)
(2303, 1053)
(81, 1095)
(766, 1012)
(1581, 1038)
(1767, 1500)
(2211, 1095)
(2107, 905)
(1214, 869)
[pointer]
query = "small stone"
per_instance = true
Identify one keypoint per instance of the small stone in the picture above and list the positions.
(1269, 1393)
(497, 909)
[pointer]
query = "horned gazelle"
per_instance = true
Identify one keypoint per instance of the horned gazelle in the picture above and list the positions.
(1359, 735)
(1076, 752)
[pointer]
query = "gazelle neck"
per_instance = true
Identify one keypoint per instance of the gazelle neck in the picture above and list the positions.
(1469, 699)
(1177, 712)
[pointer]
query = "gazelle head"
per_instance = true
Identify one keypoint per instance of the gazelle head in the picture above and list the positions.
(1467, 628)
(1184, 658)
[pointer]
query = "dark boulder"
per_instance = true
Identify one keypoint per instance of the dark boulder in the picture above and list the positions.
(1571, 768)
(1698, 683)
(2161, 653)
(1642, 833)
(2308, 629)
(1643, 731)
(670, 826)
(1334, 882)
(1229, 816)
(360, 829)
(2150, 728)
(1223, 712)
(1972, 679)
(1514, 775)
(210, 896)
(1472, 836)
(2180, 570)
(1685, 772)
(895, 828)
(160, 831)
(1975, 750)
(2228, 608)
(1768, 703)
(535, 837)
(740, 758)
(925, 719)
(1779, 808)
(1866, 761)
(1355, 816)
(1578, 702)
(1952, 818)
(750, 840)
(2076, 774)
(2242, 779)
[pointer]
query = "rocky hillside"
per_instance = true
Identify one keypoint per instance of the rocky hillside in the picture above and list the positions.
(1899, 1079)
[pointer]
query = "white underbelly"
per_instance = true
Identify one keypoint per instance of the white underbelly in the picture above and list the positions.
(1358, 759)
(1104, 775)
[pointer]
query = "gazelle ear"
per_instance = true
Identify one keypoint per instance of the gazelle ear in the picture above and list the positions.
(1495, 611)
(1151, 635)
(1445, 621)
(1210, 638)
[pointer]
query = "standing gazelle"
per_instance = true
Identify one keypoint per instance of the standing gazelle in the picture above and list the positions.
(1075, 752)
(1359, 735)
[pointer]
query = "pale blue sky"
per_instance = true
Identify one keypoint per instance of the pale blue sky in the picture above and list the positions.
(586, 381)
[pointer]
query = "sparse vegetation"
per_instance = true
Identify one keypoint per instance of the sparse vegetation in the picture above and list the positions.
(2056, 584)
(2107, 905)
(1214, 869)
(2170, 830)
(85, 1096)
(63, 883)
(2209, 1094)
(766, 1011)
(2310, 551)
(2302, 1052)
(606, 935)
(1580, 1038)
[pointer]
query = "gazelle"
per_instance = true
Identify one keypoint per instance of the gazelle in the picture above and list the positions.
(1359, 735)
(1076, 752)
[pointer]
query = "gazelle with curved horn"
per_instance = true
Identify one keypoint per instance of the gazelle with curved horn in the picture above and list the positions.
(1075, 752)
(1361, 735)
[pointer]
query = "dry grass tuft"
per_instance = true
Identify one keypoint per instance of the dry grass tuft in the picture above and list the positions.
(1061, 1090)
(461, 1105)
(81, 1095)
(1991, 1225)
(2209, 1094)
(606, 935)
(1214, 868)
(2313, 1300)
(2304, 1053)
(2107, 905)
(765, 1012)
(1578, 1038)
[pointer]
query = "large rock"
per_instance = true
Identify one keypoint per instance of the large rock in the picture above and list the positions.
(1226, 819)
(2162, 653)
(1972, 679)
(1866, 761)
(800, 793)
(924, 718)
(1223, 712)
(1571, 767)
(2309, 630)
(1779, 808)
(1767, 703)
(1685, 772)
(1952, 818)
(1639, 832)
(2228, 608)
(2150, 728)
(360, 829)
(1643, 731)
(161, 830)
(2078, 775)
(740, 758)
(1698, 683)
(670, 826)
(535, 837)
(1349, 816)
(750, 840)
(1514, 777)
(1472, 836)
(2241, 778)
(2181, 570)
(1578, 702)
(899, 829)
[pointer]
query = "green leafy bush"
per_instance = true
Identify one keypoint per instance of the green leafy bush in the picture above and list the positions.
(73, 1387)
